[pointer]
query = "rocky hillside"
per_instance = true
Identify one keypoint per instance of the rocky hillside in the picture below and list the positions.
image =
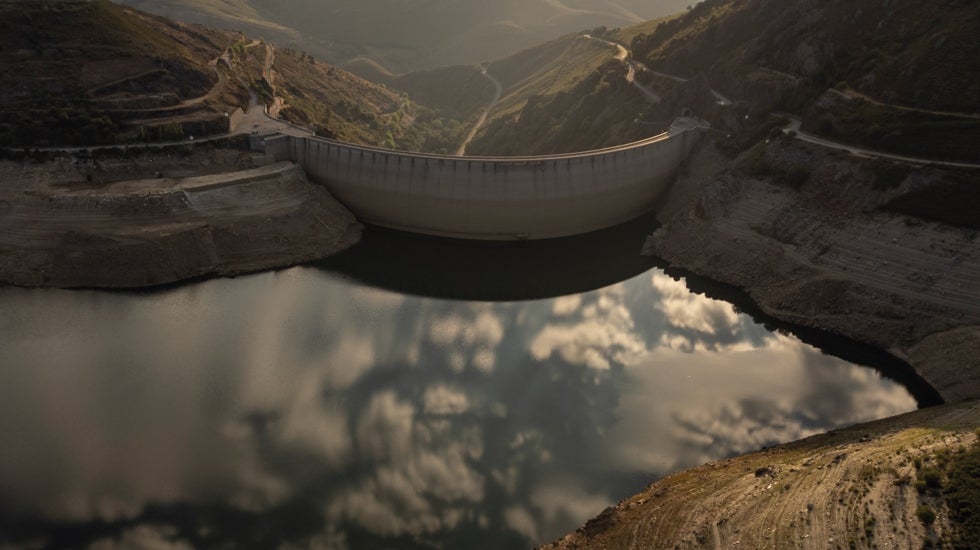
(903, 482)
(376, 38)
(919, 54)
(880, 251)
(893, 75)
(86, 73)
(545, 90)
(82, 73)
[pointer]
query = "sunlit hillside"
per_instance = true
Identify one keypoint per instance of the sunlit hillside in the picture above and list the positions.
(378, 36)
(891, 75)
(91, 73)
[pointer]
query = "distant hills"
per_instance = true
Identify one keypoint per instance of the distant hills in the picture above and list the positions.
(887, 74)
(900, 76)
(85, 73)
(375, 37)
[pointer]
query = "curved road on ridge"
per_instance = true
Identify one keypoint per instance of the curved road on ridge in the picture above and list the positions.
(260, 120)
(794, 129)
(498, 90)
(624, 55)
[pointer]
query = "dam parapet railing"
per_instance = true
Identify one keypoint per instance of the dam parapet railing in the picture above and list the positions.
(494, 198)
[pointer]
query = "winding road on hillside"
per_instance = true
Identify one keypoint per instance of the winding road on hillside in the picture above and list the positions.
(850, 94)
(498, 90)
(794, 130)
(633, 66)
(625, 56)
(263, 118)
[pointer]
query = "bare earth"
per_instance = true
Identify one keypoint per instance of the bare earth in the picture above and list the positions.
(851, 488)
(825, 256)
(821, 255)
(90, 224)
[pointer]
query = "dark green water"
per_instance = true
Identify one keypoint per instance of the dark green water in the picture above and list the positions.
(303, 409)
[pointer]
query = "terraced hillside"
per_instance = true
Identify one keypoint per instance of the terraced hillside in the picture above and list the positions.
(90, 73)
(897, 76)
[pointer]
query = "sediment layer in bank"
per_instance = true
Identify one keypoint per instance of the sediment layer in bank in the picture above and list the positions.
(827, 252)
(67, 229)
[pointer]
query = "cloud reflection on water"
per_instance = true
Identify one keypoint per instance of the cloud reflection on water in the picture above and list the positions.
(384, 415)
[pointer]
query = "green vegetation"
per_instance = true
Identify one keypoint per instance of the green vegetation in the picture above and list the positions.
(434, 133)
(785, 55)
(91, 73)
(337, 104)
(458, 92)
(558, 124)
(902, 131)
(68, 125)
(755, 163)
(926, 514)
(963, 498)
(953, 201)
(547, 70)
(889, 175)
(96, 73)
(428, 33)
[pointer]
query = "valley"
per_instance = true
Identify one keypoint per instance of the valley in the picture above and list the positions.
(361, 36)
(835, 189)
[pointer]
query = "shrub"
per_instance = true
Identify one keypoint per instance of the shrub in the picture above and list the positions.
(926, 514)
(963, 498)
(795, 177)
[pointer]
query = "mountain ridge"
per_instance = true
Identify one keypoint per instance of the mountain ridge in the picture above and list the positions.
(415, 35)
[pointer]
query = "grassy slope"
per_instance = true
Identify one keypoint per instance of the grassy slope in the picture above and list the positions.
(557, 73)
(543, 87)
(66, 61)
(784, 56)
(408, 35)
(97, 72)
(921, 54)
(461, 90)
(229, 14)
(546, 70)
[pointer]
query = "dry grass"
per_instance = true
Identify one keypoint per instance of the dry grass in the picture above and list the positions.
(849, 488)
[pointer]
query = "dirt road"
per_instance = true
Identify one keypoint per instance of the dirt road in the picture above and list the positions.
(498, 90)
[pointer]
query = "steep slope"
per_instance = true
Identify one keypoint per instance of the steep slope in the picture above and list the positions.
(403, 36)
(896, 483)
(896, 76)
(89, 73)
(241, 15)
(542, 89)
(876, 249)
(922, 54)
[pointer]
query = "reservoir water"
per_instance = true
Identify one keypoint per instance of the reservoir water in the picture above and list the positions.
(301, 408)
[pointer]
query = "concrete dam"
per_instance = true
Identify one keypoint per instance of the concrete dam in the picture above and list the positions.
(494, 198)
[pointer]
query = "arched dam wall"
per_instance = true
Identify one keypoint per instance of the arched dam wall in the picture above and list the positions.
(494, 197)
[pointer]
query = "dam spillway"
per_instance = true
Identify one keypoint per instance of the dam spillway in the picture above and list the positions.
(494, 198)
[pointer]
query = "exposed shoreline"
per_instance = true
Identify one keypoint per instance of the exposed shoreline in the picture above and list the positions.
(811, 257)
(65, 228)
(130, 225)
(818, 492)
(816, 256)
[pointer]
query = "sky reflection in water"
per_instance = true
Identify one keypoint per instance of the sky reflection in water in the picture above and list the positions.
(295, 407)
